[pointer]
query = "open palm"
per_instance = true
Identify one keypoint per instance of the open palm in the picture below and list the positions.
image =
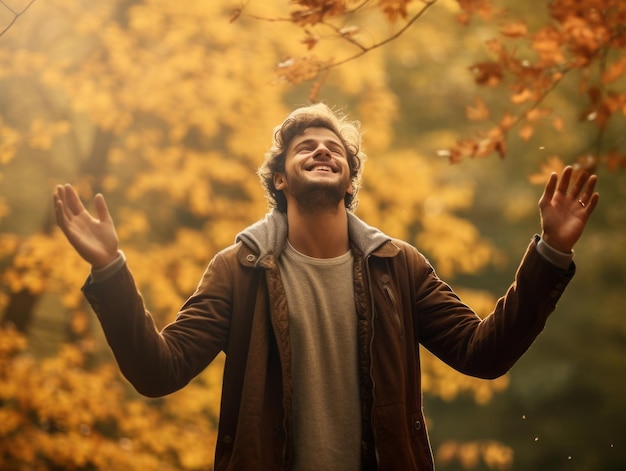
(94, 239)
(564, 210)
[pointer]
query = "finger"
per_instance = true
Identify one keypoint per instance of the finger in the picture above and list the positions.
(566, 175)
(102, 209)
(548, 191)
(593, 202)
(72, 200)
(585, 196)
(582, 179)
(59, 207)
(591, 185)
(65, 211)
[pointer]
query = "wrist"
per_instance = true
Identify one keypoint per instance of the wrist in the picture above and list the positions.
(556, 244)
(101, 274)
(102, 262)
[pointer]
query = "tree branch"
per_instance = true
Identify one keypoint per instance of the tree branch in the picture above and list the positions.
(16, 14)
(385, 41)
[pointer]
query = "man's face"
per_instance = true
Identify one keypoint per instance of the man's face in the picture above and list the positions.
(317, 174)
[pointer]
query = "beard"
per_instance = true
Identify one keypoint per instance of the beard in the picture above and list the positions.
(317, 196)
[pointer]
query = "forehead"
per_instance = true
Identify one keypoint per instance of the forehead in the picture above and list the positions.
(316, 134)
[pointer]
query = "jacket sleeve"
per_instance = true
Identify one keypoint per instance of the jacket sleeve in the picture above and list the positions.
(158, 363)
(488, 348)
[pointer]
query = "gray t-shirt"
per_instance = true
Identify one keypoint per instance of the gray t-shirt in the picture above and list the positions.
(323, 331)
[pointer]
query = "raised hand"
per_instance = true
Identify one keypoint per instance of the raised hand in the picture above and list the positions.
(95, 240)
(564, 210)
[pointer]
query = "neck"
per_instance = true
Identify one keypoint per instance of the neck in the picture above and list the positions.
(322, 234)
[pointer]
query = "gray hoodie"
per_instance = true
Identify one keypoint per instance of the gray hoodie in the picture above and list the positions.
(269, 235)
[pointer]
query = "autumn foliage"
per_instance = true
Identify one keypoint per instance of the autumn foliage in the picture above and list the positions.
(583, 39)
(62, 413)
(167, 108)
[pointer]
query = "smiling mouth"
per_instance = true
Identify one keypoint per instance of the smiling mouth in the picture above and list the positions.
(321, 168)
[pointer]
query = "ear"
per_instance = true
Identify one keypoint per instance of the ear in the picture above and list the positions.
(350, 189)
(279, 181)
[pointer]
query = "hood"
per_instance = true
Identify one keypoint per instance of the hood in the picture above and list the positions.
(269, 235)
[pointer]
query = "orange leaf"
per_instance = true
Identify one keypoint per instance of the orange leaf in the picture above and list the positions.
(615, 160)
(483, 8)
(526, 132)
(508, 121)
(394, 9)
(494, 142)
(615, 101)
(536, 113)
(554, 164)
(487, 73)
(514, 29)
(310, 42)
(614, 71)
(547, 43)
(478, 112)
(495, 46)
(522, 96)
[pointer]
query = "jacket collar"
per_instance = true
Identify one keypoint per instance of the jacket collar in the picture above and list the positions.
(269, 236)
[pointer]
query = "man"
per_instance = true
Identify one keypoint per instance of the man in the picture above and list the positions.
(320, 315)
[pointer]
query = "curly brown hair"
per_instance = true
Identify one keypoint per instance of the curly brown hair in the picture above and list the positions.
(317, 115)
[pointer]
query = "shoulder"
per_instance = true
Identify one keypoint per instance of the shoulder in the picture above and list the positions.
(403, 257)
(398, 248)
(238, 253)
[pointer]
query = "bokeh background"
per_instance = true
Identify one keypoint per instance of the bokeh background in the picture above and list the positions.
(168, 107)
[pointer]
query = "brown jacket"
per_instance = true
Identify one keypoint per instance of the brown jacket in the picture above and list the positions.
(240, 308)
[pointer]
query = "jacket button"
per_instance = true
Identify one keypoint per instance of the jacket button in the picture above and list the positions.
(227, 440)
(417, 425)
(250, 258)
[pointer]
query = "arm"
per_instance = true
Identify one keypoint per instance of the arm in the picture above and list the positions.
(156, 363)
(488, 348)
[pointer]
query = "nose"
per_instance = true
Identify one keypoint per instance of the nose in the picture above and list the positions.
(322, 151)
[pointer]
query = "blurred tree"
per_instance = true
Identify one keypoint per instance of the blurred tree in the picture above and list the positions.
(61, 413)
(167, 108)
(585, 39)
